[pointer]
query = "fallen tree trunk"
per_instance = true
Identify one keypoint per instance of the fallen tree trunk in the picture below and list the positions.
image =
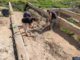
(40, 11)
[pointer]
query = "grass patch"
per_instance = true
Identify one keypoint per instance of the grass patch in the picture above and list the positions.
(19, 4)
(72, 20)
(67, 31)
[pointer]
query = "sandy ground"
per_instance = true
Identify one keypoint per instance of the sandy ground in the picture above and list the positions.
(6, 45)
(49, 45)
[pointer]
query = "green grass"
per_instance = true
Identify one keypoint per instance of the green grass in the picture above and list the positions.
(42, 3)
(67, 31)
(72, 21)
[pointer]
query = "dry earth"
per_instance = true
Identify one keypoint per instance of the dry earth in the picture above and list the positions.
(6, 45)
(49, 45)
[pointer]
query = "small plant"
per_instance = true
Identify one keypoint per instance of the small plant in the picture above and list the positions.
(67, 31)
(72, 20)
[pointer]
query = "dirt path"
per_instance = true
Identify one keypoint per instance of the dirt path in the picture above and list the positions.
(6, 45)
(48, 45)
